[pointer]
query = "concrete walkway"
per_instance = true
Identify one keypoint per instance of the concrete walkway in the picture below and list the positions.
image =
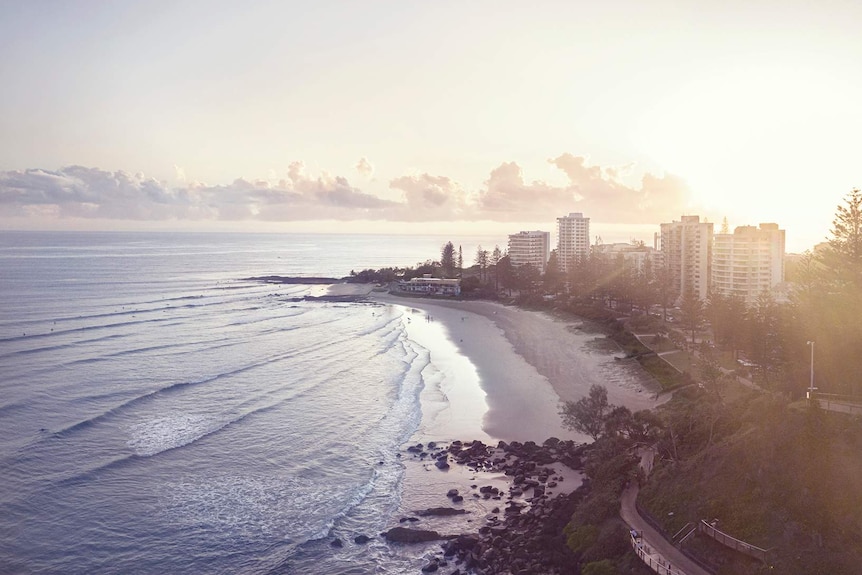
(653, 549)
(656, 551)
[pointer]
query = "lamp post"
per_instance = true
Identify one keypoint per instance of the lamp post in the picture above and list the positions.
(811, 387)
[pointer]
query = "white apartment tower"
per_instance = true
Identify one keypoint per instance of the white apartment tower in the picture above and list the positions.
(748, 262)
(532, 248)
(573, 240)
(687, 249)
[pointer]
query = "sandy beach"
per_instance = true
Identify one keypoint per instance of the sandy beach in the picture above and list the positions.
(496, 373)
(523, 362)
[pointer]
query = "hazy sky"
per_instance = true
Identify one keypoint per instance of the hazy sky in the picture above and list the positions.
(458, 117)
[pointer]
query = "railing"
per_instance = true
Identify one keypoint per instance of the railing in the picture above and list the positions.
(733, 543)
(652, 559)
(838, 404)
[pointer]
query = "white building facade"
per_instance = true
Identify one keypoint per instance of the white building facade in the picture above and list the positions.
(686, 246)
(532, 248)
(748, 262)
(637, 257)
(431, 286)
(573, 240)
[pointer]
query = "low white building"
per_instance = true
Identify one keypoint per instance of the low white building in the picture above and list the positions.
(635, 255)
(427, 285)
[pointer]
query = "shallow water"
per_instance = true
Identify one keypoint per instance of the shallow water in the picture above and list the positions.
(160, 413)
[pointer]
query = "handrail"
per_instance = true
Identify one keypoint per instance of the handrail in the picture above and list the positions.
(734, 543)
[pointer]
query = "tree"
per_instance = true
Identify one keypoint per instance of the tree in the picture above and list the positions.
(447, 259)
(504, 273)
(664, 289)
(526, 278)
(460, 262)
(496, 256)
(588, 414)
(844, 255)
(482, 262)
(618, 421)
(727, 316)
(710, 373)
(692, 312)
(554, 278)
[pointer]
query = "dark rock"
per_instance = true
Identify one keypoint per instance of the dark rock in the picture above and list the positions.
(431, 567)
(405, 535)
(441, 464)
(361, 539)
(440, 512)
(457, 499)
(452, 493)
(336, 542)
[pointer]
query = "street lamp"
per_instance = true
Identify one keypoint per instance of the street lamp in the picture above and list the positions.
(811, 387)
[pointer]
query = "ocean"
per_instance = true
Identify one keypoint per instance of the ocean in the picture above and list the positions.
(160, 412)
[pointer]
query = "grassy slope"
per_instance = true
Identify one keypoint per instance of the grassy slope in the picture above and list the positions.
(773, 476)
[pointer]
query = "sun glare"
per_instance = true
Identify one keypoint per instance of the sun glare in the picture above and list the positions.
(737, 135)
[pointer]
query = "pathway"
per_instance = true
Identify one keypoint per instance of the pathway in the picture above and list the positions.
(657, 552)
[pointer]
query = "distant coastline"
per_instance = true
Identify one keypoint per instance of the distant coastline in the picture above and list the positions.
(296, 280)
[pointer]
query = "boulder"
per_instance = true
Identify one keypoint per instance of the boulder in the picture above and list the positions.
(405, 535)
(440, 512)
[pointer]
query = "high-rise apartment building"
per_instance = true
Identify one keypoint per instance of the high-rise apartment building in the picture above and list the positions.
(532, 248)
(573, 240)
(748, 262)
(687, 249)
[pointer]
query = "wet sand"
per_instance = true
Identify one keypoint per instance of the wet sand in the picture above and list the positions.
(527, 363)
(500, 373)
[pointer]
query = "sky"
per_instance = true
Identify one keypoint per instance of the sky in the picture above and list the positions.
(448, 117)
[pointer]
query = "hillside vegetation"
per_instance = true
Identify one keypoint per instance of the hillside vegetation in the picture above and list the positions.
(782, 477)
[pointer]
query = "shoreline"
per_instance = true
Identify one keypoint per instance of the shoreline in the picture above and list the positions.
(523, 364)
(497, 375)
(529, 362)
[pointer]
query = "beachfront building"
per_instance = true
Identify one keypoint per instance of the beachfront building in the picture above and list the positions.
(686, 247)
(573, 240)
(533, 248)
(748, 262)
(427, 285)
(635, 255)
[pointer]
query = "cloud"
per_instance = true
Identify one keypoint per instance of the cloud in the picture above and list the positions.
(431, 198)
(593, 190)
(364, 167)
(506, 196)
(77, 191)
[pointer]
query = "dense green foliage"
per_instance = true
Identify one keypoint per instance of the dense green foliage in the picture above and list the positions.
(596, 534)
(780, 477)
